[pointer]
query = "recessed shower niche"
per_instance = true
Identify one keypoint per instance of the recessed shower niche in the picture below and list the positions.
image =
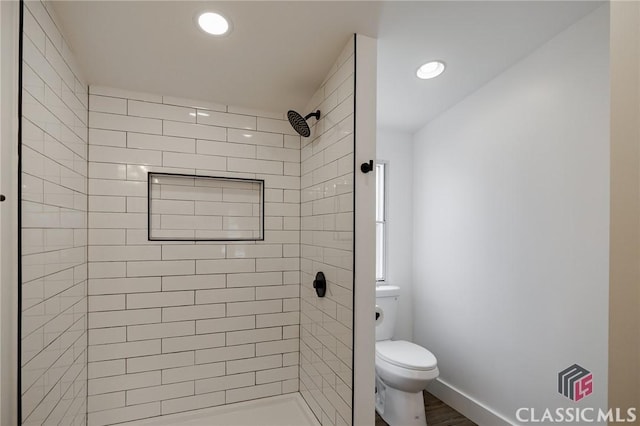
(205, 208)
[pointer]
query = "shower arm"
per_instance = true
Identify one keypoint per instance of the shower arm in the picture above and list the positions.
(313, 114)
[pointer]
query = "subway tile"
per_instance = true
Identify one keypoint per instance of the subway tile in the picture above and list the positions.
(161, 330)
(123, 382)
(223, 383)
(254, 392)
(291, 358)
(281, 264)
(225, 266)
(254, 364)
(225, 324)
(194, 131)
(193, 282)
(225, 149)
(119, 318)
(199, 251)
(250, 165)
(184, 313)
(277, 347)
(275, 126)
(159, 362)
(125, 94)
(276, 374)
(255, 138)
(292, 169)
(115, 253)
(123, 350)
(107, 204)
(253, 336)
(292, 386)
(187, 343)
(258, 113)
(292, 142)
(193, 402)
(123, 285)
(100, 120)
(107, 104)
(158, 300)
(107, 269)
(101, 336)
(258, 307)
(278, 154)
(225, 295)
(254, 250)
(117, 188)
(193, 372)
(223, 119)
(160, 143)
(254, 279)
(109, 154)
(106, 368)
(160, 268)
(289, 305)
(159, 393)
(119, 415)
(105, 401)
(106, 303)
(197, 161)
(193, 103)
(205, 356)
(117, 220)
(33, 30)
(161, 111)
(279, 319)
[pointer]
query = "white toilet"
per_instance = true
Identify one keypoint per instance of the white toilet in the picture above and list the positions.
(403, 369)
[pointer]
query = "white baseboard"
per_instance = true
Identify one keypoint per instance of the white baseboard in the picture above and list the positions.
(466, 405)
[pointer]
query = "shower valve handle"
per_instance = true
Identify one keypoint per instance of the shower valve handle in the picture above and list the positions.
(366, 167)
(320, 284)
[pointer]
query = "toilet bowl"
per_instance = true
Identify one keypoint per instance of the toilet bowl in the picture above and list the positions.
(403, 369)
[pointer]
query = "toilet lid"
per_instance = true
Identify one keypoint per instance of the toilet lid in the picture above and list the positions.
(406, 354)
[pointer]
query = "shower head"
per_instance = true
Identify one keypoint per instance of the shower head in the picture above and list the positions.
(299, 123)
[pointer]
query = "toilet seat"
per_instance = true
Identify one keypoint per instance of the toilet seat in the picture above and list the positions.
(405, 354)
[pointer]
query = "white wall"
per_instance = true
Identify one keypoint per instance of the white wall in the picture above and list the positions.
(396, 148)
(511, 222)
(54, 225)
(177, 326)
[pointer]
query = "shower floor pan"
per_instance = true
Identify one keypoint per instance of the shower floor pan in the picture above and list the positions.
(282, 410)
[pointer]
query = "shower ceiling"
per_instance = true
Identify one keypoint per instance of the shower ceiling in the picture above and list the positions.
(279, 52)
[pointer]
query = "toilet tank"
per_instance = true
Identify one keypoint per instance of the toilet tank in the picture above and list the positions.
(386, 307)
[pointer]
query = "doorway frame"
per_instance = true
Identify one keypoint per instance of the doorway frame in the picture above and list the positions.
(10, 94)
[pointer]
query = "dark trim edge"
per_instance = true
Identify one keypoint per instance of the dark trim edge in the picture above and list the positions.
(19, 203)
(353, 302)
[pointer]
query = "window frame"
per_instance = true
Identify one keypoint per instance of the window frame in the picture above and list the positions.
(384, 222)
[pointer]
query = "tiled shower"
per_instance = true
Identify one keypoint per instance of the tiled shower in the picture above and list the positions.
(118, 326)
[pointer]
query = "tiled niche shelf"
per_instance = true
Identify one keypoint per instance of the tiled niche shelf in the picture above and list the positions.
(204, 208)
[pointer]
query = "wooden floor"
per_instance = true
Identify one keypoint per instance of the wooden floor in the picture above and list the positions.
(438, 414)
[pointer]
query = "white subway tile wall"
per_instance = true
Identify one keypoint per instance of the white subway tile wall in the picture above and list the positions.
(181, 325)
(326, 244)
(54, 231)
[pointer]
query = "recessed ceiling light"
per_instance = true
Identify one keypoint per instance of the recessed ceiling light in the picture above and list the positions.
(430, 70)
(213, 23)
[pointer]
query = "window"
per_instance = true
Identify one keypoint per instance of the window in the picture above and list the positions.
(381, 222)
